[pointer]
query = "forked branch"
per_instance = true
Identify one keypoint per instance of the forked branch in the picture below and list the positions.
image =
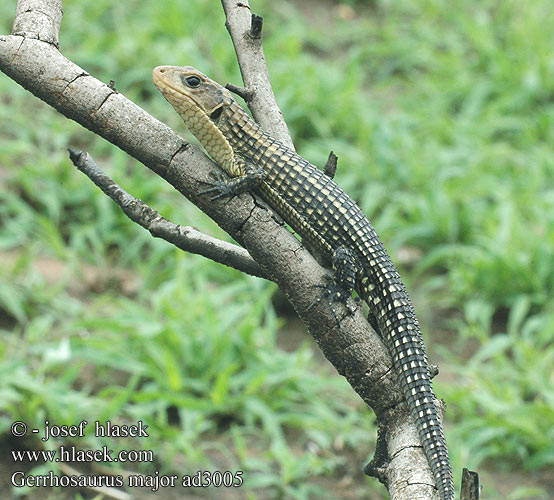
(184, 237)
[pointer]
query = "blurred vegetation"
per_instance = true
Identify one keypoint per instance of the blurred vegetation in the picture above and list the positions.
(442, 114)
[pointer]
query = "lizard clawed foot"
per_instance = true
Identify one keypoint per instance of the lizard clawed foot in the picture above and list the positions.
(215, 177)
(334, 293)
(221, 188)
(328, 280)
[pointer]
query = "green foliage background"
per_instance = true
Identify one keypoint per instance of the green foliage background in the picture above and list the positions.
(442, 114)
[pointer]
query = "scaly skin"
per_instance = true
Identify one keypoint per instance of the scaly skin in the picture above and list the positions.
(329, 221)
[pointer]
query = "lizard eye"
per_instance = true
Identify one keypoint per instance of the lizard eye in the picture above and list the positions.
(192, 81)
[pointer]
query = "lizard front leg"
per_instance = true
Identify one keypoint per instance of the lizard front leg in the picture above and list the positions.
(251, 178)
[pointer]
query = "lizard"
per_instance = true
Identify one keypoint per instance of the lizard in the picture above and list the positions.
(328, 220)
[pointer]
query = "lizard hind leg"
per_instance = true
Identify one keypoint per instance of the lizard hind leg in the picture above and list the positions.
(346, 268)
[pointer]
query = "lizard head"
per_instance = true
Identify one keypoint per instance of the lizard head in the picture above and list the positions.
(200, 102)
(190, 91)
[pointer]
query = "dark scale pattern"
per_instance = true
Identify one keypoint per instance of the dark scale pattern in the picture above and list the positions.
(325, 216)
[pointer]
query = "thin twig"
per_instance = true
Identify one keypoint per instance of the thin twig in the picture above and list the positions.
(256, 25)
(243, 92)
(331, 165)
(470, 485)
(184, 237)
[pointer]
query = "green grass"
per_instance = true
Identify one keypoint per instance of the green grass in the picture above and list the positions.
(442, 115)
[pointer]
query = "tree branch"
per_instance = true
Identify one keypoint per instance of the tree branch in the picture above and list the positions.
(31, 58)
(39, 19)
(242, 26)
(184, 237)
